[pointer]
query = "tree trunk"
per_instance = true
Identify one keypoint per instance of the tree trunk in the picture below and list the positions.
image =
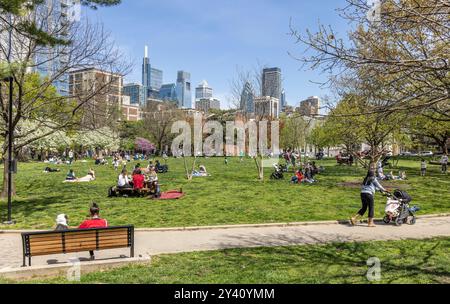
(4, 193)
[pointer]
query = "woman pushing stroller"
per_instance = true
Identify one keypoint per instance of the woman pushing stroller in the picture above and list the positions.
(368, 189)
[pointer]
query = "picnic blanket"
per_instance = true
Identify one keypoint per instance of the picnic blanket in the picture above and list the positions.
(171, 195)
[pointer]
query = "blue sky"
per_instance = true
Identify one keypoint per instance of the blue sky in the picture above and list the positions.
(211, 38)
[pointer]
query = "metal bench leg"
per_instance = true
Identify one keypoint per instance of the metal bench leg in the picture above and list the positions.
(29, 260)
(24, 262)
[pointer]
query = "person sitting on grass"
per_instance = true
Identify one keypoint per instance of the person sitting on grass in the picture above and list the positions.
(124, 181)
(62, 222)
(94, 222)
(138, 180)
(201, 172)
(71, 175)
(298, 177)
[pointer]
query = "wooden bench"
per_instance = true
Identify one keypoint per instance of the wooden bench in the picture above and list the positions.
(71, 241)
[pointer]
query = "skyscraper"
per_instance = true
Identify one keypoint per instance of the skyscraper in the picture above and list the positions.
(271, 83)
(283, 101)
(203, 91)
(247, 99)
(136, 92)
(151, 78)
(50, 61)
(168, 92)
(310, 107)
(184, 94)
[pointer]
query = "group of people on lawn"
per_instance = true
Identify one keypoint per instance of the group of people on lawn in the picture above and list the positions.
(306, 174)
(141, 178)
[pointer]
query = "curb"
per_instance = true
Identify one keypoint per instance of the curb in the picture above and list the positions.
(243, 226)
(27, 273)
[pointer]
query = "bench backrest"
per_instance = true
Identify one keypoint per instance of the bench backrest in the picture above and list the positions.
(69, 241)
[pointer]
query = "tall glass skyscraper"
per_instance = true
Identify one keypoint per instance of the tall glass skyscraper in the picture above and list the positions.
(152, 78)
(136, 92)
(58, 15)
(184, 94)
(168, 92)
(247, 99)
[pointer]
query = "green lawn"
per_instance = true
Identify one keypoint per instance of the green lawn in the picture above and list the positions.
(232, 195)
(405, 261)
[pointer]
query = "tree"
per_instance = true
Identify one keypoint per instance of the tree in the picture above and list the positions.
(157, 121)
(405, 43)
(144, 145)
(30, 28)
(294, 130)
(35, 98)
(431, 127)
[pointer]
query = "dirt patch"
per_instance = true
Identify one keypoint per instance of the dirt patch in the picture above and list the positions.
(391, 185)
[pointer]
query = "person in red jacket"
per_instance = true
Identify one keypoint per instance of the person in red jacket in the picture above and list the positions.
(138, 180)
(94, 222)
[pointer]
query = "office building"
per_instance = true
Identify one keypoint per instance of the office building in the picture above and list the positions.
(203, 91)
(283, 102)
(130, 112)
(267, 107)
(168, 92)
(247, 104)
(51, 61)
(309, 107)
(207, 104)
(104, 108)
(183, 90)
(271, 83)
(152, 78)
(136, 92)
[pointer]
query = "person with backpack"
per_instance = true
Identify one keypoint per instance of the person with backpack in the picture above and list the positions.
(368, 189)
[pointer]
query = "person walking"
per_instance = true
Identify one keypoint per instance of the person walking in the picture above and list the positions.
(444, 163)
(368, 189)
(423, 167)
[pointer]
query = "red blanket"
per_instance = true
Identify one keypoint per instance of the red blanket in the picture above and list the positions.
(171, 195)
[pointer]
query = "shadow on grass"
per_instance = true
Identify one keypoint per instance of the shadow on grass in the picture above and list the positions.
(411, 259)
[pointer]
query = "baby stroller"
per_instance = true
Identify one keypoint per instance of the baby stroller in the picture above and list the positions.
(278, 174)
(398, 209)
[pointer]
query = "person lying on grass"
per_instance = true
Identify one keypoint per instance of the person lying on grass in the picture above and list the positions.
(50, 170)
(86, 179)
(201, 172)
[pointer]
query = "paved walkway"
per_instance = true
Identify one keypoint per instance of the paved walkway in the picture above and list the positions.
(161, 242)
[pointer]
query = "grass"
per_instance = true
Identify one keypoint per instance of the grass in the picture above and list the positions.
(232, 195)
(408, 261)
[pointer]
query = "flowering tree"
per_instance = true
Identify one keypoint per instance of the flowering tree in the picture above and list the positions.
(144, 145)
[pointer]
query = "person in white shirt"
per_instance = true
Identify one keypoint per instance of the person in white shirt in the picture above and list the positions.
(444, 163)
(124, 181)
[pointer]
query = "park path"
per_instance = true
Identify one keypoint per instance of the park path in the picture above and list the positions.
(175, 241)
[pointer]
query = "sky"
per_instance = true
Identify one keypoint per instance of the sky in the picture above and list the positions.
(214, 39)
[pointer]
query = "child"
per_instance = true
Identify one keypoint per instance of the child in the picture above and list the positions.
(62, 222)
(226, 160)
(423, 167)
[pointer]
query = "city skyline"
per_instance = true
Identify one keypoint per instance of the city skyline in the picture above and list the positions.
(209, 47)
